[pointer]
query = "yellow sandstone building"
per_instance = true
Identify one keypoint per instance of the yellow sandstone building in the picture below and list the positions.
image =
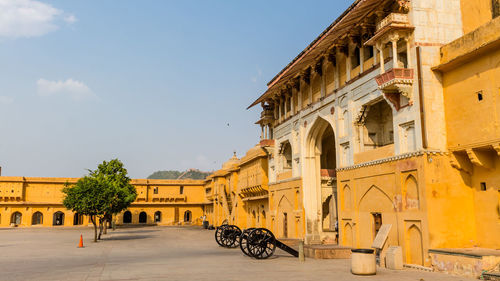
(38, 202)
(389, 117)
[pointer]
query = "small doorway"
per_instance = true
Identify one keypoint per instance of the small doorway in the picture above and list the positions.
(377, 223)
(285, 225)
(187, 216)
(176, 215)
(16, 218)
(158, 216)
(127, 217)
(143, 217)
(37, 218)
(58, 218)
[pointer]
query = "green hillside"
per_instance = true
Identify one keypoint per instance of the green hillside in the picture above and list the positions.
(173, 175)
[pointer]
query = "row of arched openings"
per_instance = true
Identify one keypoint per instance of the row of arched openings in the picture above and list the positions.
(143, 217)
(37, 218)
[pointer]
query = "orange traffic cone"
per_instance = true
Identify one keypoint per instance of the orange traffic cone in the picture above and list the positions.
(80, 245)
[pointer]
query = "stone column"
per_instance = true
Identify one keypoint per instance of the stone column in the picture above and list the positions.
(299, 99)
(310, 91)
(336, 72)
(275, 108)
(348, 65)
(380, 48)
(408, 52)
(323, 84)
(395, 62)
(285, 109)
(280, 104)
(361, 59)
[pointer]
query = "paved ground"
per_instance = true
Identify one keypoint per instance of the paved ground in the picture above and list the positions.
(160, 253)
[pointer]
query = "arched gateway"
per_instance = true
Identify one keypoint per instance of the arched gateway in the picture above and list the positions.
(319, 182)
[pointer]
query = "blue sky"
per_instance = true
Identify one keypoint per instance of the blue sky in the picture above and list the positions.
(153, 83)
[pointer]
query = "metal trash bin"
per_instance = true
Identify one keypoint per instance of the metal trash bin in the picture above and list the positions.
(363, 262)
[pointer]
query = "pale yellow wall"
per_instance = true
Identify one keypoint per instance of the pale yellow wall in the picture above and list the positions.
(29, 195)
(470, 121)
(475, 13)
(469, 65)
(382, 188)
(286, 197)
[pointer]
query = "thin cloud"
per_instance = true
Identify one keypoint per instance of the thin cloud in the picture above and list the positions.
(6, 100)
(77, 90)
(255, 78)
(30, 18)
(70, 19)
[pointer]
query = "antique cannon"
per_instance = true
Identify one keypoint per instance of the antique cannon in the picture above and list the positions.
(258, 243)
(228, 236)
(261, 244)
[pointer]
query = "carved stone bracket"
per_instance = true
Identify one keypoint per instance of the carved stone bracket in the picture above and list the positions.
(296, 83)
(306, 75)
(318, 67)
(361, 117)
(460, 162)
(404, 5)
(481, 158)
(496, 147)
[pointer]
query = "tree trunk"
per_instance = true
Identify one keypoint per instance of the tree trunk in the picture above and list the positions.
(93, 220)
(101, 220)
(106, 220)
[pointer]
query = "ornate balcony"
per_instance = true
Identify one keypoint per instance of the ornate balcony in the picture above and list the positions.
(394, 24)
(266, 142)
(394, 20)
(395, 83)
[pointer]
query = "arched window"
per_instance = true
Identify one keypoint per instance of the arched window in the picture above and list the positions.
(37, 218)
(158, 216)
(155, 190)
(187, 216)
(143, 217)
(345, 123)
(16, 218)
(286, 152)
(127, 217)
(58, 218)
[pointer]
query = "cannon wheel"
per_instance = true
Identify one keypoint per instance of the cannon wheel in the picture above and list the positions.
(231, 236)
(244, 241)
(261, 243)
(218, 234)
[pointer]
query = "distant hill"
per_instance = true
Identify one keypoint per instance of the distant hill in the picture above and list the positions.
(193, 174)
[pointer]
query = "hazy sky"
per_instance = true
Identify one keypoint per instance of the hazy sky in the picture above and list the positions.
(153, 83)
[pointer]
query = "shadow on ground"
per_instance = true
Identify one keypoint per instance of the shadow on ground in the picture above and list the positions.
(128, 237)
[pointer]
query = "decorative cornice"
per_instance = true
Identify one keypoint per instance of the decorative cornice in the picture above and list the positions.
(393, 158)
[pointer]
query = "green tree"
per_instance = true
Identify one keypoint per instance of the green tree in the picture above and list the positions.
(104, 192)
(86, 197)
(120, 192)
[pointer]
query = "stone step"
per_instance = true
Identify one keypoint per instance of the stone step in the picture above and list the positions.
(327, 252)
(495, 276)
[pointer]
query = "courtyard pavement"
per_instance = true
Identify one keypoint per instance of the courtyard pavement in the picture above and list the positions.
(160, 253)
